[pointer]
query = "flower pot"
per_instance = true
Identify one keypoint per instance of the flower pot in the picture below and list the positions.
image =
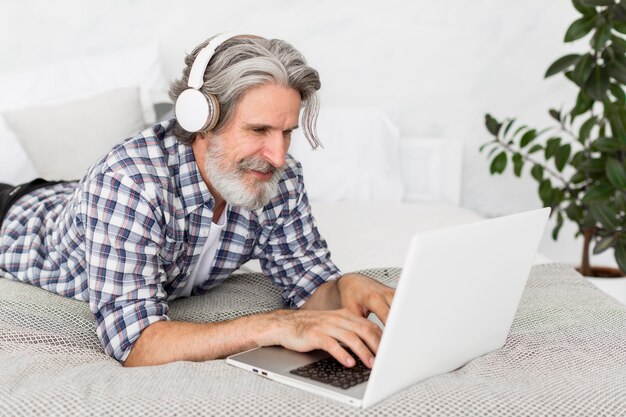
(604, 272)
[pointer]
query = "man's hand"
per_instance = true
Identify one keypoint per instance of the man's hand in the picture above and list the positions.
(355, 292)
(304, 331)
(363, 295)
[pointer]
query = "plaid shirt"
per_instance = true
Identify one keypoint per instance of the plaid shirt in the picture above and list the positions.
(127, 236)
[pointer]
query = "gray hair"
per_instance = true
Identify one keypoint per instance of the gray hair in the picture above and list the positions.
(242, 63)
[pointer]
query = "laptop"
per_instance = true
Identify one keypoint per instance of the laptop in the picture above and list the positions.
(456, 299)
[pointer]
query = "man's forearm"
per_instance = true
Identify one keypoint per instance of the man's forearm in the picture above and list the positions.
(325, 297)
(168, 341)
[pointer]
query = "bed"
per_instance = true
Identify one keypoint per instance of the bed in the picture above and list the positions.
(565, 354)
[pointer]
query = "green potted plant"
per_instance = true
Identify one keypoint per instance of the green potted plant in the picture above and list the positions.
(580, 162)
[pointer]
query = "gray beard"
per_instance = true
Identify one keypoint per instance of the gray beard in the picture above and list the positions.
(231, 183)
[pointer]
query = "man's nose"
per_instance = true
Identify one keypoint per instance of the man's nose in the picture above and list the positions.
(275, 149)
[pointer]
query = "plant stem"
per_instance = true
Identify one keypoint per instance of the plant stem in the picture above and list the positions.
(585, 267)
(545, 167)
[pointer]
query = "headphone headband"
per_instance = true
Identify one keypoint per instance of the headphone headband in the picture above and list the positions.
(196, 74)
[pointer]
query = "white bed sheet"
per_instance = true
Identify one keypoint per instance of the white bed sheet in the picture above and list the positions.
(377, 234)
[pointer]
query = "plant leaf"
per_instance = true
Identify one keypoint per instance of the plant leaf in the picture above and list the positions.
(601, 211)
(577, 159)
(557, 228)
(603, 244)
(616, 173)
(619, 43)
(562, 64)
(498, 165)
(574, 212)
(545, 192)
(620, 255)
(620, 27)
(607, 145)
(569, 76)
(558, 196)
(618, 13)
(527, 138)
(492, 124)
(616, 122)
(518, 164)
(537, 172)
(621, 200)
(562, 156)
(583, 104)
(535, 148)
(552, 145)
(492, 151)
(579, 28)
(556, 114)
(598, 192)
(586, 10)
(600, 38)
(585, 129)
(598, 83)
(593, 165)
(597, 2)
(508, 126)
(484, 145)
(617, 70)
(618, 93)
(582, 70)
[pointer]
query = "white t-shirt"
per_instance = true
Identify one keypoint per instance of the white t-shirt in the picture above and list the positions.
(201, 271)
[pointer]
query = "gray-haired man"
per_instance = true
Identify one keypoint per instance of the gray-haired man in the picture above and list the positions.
(170, 213)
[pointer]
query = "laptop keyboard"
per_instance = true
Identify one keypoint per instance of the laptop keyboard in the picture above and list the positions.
(330, 371)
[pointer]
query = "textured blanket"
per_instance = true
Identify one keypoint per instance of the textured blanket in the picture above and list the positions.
(565, 356)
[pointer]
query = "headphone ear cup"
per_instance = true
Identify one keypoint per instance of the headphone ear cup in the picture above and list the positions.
(193, 110)
(214, 110)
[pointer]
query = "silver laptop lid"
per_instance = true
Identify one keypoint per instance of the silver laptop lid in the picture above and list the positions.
(456, 299)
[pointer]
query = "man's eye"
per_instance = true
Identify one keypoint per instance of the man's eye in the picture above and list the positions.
(259, 130)
(287, 134)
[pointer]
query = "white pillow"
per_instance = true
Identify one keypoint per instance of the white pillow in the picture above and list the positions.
(68, 80)
(359, 160)
(62, 141)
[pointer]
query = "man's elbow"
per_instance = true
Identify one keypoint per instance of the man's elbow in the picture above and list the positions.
(139, 352)
(130, 361)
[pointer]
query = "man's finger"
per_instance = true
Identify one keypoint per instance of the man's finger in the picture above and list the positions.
(358, 334)
(333, 347)
(371, 334)
(389, 295)
(367, 330)
(378, 305)
(354, 308)
(356, 345)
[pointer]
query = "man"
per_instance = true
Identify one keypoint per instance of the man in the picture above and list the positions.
(172, 212)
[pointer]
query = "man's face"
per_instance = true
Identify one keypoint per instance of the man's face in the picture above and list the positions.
(245, 162)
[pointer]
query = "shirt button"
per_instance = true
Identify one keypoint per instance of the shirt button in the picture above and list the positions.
(204, 233)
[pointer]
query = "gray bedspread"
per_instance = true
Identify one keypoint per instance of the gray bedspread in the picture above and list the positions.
(565, 356)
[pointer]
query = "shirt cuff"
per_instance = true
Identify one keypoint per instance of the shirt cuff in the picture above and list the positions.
(306, 287)
(119, 328)
(121, 354)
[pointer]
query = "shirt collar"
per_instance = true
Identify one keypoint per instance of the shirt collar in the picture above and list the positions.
(193, 189)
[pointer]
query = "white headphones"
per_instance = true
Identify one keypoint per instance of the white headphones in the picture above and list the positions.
(194, 110)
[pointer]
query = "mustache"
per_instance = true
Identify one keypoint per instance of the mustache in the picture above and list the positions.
(257, 164)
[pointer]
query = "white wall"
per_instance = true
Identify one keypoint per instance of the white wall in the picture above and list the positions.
(436, 66)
